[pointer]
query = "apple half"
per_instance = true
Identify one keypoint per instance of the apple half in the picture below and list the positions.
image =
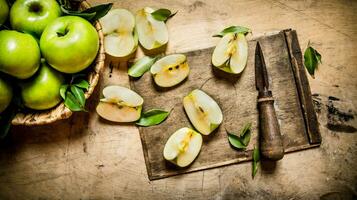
(203, 111)
(120, 104)
(152, 33)
(170, 70)
(183, 147)
(231, 53)
(120, 38)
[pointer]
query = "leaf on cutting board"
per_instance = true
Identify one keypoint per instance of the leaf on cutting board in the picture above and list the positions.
(162, 14)
(256, 160)
(240, 142)
(152, 117)
(141, 66)
(233, 29)
(312, 58)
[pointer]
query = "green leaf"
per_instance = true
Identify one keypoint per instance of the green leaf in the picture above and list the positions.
(100, 11)
(235, 141)
(233, 29)
(162, 14)
(6, 118)
(245, 134)
(141, 66)
(63, 90)
(256, 160)
(79, 95)
(82, 84)
(311, 60)
(152, 117)
(246, 129)
(72, 103)
(87, 16)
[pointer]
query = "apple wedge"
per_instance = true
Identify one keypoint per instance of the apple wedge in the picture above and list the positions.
(120, 104)
(170, 70)
(182, 147)
(231, 53)
(203, 112)
(120, 38)
(152, 33)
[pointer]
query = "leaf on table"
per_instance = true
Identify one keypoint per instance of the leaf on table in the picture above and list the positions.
(256, 160)
(153, 117)
(312, 58)
(233, 29)
(162, 14)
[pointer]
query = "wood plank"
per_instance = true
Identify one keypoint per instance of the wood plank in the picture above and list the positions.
(237, 97)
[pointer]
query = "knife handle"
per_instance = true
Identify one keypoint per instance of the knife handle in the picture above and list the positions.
(271, 143)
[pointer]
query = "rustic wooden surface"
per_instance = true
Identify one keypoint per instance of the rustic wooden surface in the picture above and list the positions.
(86, 158)
(237, 98)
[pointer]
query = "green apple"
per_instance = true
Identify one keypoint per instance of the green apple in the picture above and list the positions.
(32, 16)
(120, 104)
(152, 33)
(69, 44)
(203, 111)
(120, 39)
(4, 11)
(170, 70)
(183, 147)
(19, 54)
(42, 91)
(5, 94)
(231, 53)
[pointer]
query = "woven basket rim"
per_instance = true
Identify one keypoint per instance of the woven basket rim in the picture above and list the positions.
(60, 112)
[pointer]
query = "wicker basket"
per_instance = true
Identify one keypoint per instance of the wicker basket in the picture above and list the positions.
(60, 111)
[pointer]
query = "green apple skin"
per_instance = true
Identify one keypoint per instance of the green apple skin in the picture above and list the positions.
(5, 95)
(42, 91)
(69, 44)
(4, 11)
(19, 54)
(32, 16)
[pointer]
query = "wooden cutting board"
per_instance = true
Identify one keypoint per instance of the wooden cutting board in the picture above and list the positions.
(237, 97)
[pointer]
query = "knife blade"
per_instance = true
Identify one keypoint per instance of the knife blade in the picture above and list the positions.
(271, 143)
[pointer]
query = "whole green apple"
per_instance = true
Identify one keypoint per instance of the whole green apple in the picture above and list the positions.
(42, 91)
(5, 94)
(19, 54)
(4, 11)
(69, 44)
(32, 16)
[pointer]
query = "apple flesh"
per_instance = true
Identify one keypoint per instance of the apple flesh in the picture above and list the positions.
(120, 104)
(231, 53)
(203, 111)
(4, 11)
(19, 54)
(170, 70)
(152, 33)
(183, 147)
(69, 44)
(120, 38)
(5, 94)
(42, 91)
(32, 16)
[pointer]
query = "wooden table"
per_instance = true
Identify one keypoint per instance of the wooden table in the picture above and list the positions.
(85, 157)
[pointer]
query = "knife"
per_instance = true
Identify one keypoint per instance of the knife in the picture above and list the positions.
(271, 143)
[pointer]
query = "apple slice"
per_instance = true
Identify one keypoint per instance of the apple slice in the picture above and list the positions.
(152, 33)
(170, 70)
(120, 38)
(203, 112)
(231, 53)
(182, 147)
(120, 104)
